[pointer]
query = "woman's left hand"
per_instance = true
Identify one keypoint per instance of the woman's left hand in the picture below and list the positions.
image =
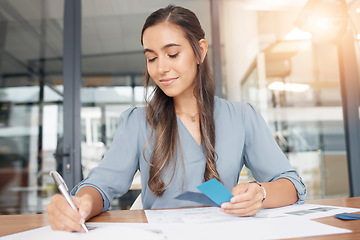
(247, 200)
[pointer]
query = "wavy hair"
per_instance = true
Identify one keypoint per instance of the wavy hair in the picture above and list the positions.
(160, 110)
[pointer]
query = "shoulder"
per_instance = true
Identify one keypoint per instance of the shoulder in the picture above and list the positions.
(133, 115)
(223, 106)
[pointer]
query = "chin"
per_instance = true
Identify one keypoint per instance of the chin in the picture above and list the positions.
(170, 93)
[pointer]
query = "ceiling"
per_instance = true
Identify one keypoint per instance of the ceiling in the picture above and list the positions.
(111, 32)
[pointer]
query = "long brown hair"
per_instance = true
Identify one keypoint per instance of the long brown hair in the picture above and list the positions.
(160, 111)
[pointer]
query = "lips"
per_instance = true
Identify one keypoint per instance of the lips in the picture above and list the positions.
(167, 81)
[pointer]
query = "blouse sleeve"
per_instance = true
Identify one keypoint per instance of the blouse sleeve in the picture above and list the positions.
(114, 175)
(263, 156)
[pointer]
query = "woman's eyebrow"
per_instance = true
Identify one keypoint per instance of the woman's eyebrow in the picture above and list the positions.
(148, 50)
(170, 45)
(164, 47)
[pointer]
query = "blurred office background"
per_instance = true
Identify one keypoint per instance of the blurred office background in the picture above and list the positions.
(57, 114)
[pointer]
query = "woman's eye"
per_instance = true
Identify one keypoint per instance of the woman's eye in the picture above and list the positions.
(151, 59)
(173, 56)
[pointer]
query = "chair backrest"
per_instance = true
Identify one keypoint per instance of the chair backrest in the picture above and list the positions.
(137, 203)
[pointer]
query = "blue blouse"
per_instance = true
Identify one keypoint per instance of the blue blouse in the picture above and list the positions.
(242, 137)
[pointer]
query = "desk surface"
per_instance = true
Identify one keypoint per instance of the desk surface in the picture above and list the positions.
(10, 224)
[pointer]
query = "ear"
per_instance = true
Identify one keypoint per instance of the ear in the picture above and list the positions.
(204, 47)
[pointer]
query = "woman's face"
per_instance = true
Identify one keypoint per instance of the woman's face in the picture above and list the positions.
(170, 59)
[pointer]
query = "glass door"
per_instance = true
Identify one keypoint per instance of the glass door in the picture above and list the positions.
(31, 97)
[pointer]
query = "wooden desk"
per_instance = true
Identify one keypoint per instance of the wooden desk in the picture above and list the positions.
(10, 224)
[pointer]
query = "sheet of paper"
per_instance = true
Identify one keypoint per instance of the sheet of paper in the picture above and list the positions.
(280, 228)
(213, 214)
(97, 231)
(189, 215)
(308, 211)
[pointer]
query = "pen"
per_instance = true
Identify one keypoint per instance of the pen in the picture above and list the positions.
(61, 185)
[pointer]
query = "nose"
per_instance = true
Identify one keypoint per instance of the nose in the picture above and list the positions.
(163, 65)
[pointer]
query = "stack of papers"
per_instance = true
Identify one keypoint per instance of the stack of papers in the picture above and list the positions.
(214, 215)
(278, 223)
(206, 223)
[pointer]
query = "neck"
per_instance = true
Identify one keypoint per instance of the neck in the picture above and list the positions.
(186, 105)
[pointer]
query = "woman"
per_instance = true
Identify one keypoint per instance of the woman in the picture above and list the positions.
(183, 137)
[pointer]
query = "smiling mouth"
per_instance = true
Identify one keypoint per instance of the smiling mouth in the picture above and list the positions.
(167, 81)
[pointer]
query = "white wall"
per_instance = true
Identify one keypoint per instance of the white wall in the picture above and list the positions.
(239, 38)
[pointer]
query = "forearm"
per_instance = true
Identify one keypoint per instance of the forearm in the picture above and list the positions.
(279, 193)
(97, 201)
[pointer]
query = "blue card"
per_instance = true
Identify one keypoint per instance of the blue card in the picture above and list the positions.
(215, 191)
(197, 197)
(348, 216)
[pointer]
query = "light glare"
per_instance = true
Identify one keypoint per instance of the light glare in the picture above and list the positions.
(291, 87)
(297, 34)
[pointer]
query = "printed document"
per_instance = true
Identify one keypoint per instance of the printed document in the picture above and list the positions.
(214, 215)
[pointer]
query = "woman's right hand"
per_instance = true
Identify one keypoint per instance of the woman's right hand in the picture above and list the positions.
(62, 216)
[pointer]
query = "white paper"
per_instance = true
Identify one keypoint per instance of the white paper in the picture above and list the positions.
(279, 228)
(190, 215)
(97, 231)
(214, 215)
(308, 211)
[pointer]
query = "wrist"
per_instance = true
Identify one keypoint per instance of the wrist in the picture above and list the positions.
(262, 189)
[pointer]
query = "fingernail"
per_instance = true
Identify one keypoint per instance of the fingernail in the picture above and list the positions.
(82, 221)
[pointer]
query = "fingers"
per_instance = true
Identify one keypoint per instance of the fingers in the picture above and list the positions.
(240, 188)
(247, 200)
(62, 217)
(247, 193)
(245, 209)
(85, 205)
